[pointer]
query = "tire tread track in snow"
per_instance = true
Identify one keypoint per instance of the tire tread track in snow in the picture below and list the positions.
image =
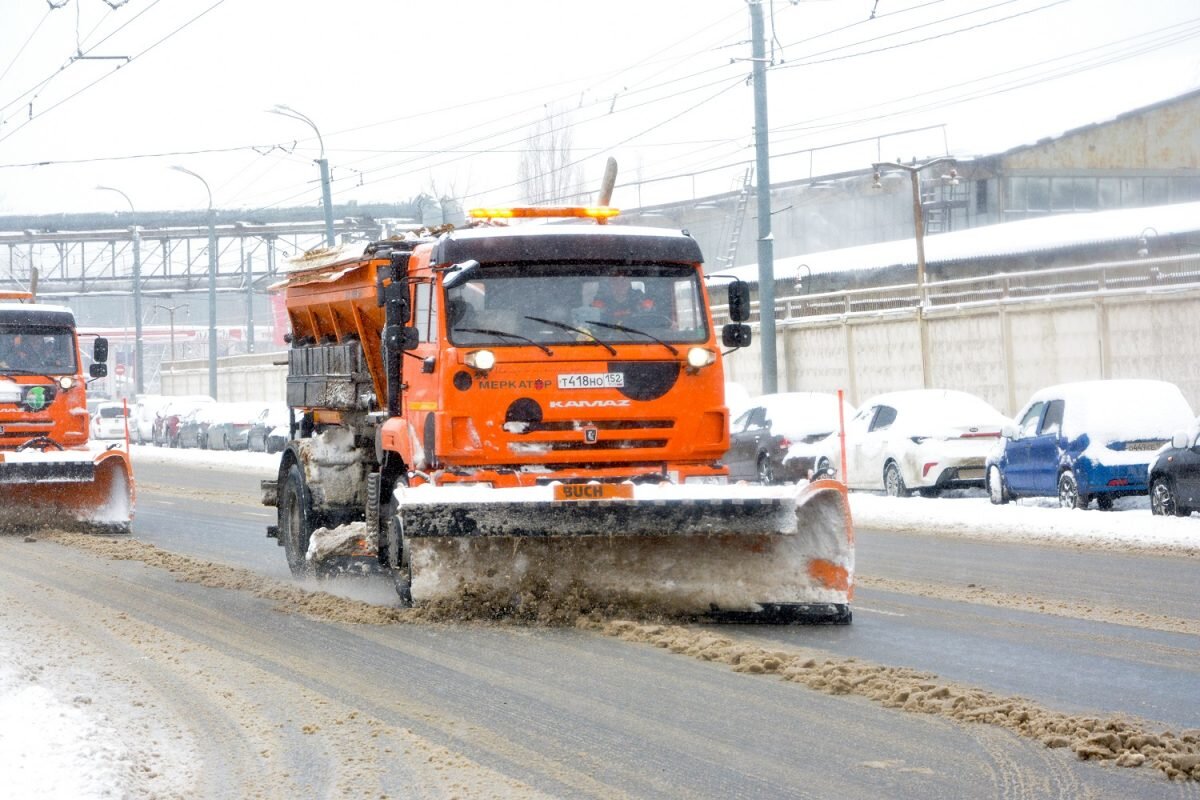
(1113, 740)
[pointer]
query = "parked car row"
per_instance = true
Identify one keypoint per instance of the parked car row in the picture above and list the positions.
(1079, 442)
(200, 422)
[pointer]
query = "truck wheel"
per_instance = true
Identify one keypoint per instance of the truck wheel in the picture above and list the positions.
(295, 524)
(398, 564)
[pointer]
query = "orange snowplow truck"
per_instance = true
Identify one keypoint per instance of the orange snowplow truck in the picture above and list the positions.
(528, 408)
(49, 475)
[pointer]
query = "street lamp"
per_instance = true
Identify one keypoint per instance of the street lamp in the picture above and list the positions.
(914, 172)
(139, 383)
(291, 113)
(171, 311)
(212, 285)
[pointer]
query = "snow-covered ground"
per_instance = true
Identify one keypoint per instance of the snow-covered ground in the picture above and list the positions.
(67, 739)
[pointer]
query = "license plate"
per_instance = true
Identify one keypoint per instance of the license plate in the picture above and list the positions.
(571, 492)
(592, 380)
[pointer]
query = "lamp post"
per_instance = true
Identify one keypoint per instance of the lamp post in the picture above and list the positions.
(914, 172)
(171, 311)
(326, 195)
(135, 232)
(212, 285)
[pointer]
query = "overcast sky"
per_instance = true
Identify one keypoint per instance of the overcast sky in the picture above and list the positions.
(439, 96)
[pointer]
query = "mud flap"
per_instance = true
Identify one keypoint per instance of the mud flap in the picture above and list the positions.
(737, 553)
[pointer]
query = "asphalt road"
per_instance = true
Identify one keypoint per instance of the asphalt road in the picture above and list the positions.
(573, 713)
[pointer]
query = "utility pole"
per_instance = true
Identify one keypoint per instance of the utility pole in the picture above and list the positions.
(135, 232)
(914, 173)
(766, 241)
(322, 162)
(171, 312)
(212, 285)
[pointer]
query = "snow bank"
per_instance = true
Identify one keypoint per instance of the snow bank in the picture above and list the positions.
(1130, 526)
(264, 464)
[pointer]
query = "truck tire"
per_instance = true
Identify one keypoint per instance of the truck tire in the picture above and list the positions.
(295, 521)
(398, 564)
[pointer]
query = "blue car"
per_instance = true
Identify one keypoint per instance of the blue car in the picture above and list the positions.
(1086, 440)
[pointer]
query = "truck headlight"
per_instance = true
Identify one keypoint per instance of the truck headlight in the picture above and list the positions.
(66, 382)
(482, 360)
(699, 357)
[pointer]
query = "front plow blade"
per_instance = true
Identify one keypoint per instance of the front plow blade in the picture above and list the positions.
(737, 553)
(66, 489)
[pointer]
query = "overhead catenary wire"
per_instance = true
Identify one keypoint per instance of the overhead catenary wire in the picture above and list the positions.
(418, 159)
(107, 75)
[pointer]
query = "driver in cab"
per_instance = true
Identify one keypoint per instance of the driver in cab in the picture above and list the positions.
(619, 299)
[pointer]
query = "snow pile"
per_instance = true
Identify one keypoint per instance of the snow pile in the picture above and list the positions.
(265, 464)
(1132, 526)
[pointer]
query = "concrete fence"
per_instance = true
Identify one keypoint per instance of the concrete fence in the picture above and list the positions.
(257, 376)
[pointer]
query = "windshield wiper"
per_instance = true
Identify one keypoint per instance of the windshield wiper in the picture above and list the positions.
(573, 329)
(617, 327)
(494, 332)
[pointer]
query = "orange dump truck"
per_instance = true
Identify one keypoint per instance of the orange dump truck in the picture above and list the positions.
(532, 408)
(49, 474)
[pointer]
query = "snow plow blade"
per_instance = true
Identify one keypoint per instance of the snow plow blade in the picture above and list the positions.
(732, 553)
(66, 489)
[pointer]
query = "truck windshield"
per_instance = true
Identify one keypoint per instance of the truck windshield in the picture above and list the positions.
(40, 350)
(547, 304)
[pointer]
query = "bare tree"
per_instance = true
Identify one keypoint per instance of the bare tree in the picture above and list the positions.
(546, 171)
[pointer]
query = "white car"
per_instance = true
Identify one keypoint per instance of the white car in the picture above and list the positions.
(922, 439)
(109, 421)
(142, 415)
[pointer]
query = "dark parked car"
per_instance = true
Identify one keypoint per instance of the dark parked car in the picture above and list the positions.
(278, 438)
(165, 432)
(193, 428)
(229, 425)
(1085, 440)
(272, 417)
(760, 438)
(1175, 476)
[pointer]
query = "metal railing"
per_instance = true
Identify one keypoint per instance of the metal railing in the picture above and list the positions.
(1138, 276)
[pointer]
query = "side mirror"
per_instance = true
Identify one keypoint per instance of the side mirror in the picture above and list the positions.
(461, 273)
(100, 351)
(739, 301)
(1009, 431)
(98, 369)
(401, 338)
(1179, 440)
(735, 334)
